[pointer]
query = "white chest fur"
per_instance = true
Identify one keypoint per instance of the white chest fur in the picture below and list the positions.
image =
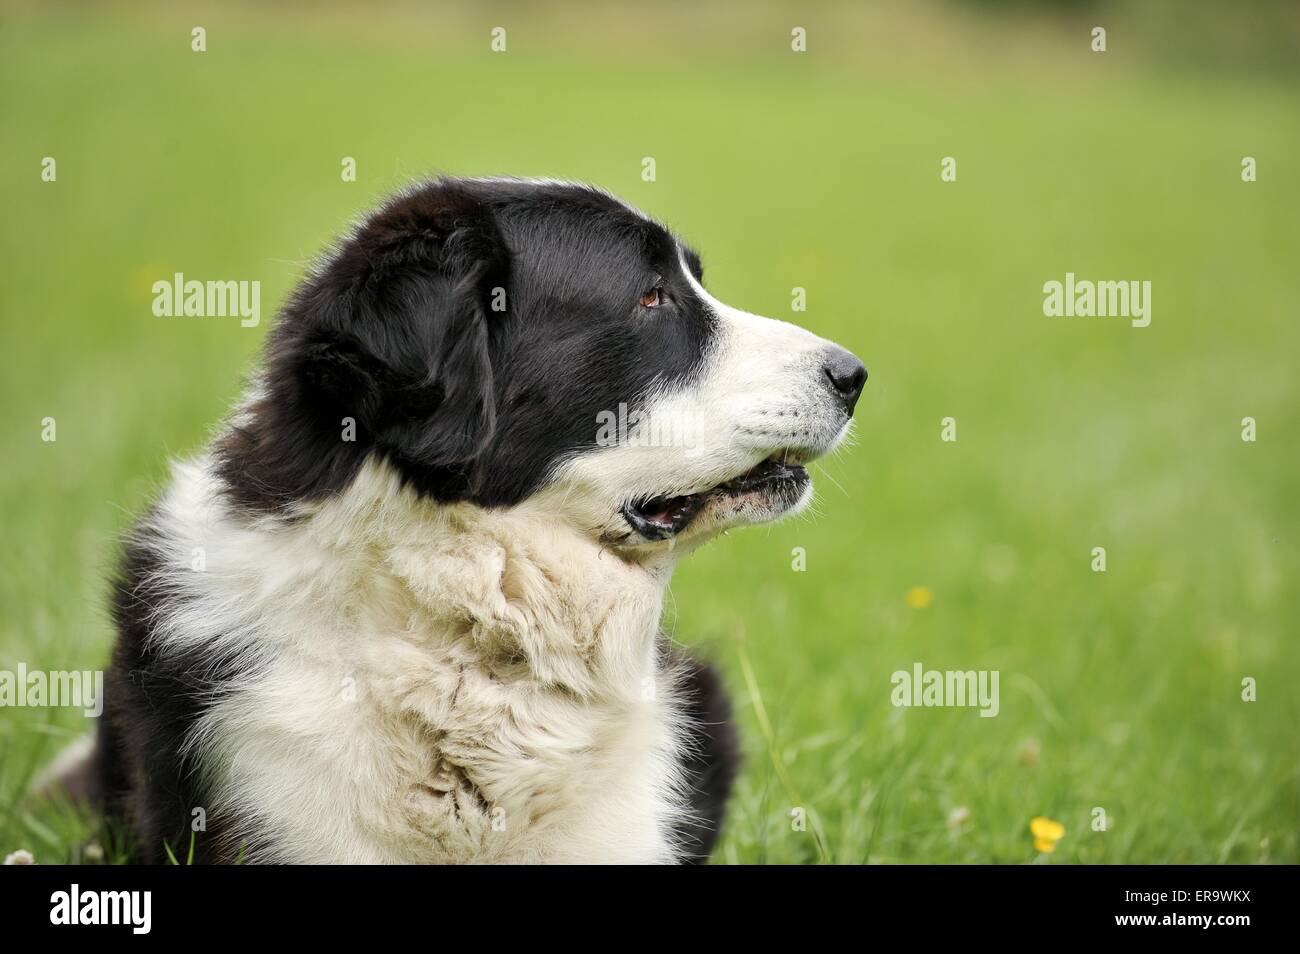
(424, 683)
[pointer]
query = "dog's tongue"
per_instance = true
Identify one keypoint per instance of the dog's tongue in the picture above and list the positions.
(673, 512)
(661, 519)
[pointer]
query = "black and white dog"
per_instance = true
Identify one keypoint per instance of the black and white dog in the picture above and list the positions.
(406, 606)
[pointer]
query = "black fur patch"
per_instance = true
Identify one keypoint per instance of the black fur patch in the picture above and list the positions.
(473, 330)
(713, 759)
(152, 701)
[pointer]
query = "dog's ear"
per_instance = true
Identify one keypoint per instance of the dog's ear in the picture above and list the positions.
(397, 331)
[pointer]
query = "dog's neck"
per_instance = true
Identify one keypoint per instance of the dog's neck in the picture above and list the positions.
(529, 589)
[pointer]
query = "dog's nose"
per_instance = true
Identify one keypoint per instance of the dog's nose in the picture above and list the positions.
(847, 375)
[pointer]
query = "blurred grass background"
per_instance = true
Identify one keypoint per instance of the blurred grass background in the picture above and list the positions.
(821, 170)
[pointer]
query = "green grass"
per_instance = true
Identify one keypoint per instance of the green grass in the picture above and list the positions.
(1118, 690)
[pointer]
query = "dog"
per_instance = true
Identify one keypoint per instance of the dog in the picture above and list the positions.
(405, 606)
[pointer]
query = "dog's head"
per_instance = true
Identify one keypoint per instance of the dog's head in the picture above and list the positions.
(543, 345)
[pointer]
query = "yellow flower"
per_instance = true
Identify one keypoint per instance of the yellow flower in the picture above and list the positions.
(919, 597)
(1046, 833)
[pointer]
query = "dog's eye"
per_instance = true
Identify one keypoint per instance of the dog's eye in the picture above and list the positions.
(652, 299)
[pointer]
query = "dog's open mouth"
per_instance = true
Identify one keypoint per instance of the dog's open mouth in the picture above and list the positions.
(775, 484)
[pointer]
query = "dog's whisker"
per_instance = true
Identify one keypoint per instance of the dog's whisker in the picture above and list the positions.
(827, 474)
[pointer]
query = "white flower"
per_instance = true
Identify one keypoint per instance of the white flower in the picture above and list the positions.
(20, 857)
